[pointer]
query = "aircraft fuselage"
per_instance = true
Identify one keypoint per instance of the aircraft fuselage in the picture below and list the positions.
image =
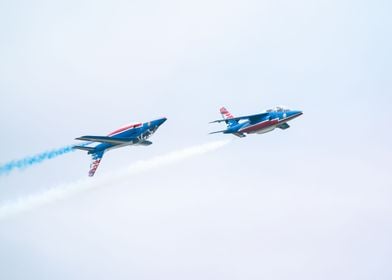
(257, 123)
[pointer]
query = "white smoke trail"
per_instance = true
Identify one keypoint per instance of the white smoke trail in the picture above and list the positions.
(61, 192)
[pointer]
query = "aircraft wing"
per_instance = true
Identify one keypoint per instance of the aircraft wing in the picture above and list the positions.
(104, 139)
(251, 118)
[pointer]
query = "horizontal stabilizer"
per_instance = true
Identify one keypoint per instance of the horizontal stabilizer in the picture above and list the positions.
(218, 121)
(105, 139)
(239, 134)
(88, 149)
(220, 131)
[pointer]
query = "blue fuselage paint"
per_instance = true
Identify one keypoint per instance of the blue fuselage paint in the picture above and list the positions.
(134, 136)
(265, 123)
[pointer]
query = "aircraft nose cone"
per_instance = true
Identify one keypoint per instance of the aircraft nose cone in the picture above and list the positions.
(161, 121)
(294, 114)
(297, 113)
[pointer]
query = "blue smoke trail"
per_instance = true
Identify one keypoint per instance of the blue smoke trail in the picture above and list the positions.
(32, 160)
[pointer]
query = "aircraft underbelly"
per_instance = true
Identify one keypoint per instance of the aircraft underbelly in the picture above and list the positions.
(262, 127)
(119, 146)
(265, 130)
(136, 141)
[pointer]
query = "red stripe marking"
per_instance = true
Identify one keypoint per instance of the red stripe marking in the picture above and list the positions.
(125, 128)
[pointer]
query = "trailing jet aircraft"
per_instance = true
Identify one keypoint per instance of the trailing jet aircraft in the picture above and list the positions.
(258, 123)
(131, 134)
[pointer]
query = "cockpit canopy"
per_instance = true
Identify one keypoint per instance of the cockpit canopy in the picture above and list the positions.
(278, 109)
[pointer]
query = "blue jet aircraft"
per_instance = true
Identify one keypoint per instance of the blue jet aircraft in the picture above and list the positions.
(258, 123)
(131, 134)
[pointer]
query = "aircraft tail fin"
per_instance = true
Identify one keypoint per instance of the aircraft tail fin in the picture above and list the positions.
(96, 160)
(227, 116)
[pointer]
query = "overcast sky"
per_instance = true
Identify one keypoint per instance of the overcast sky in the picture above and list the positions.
(310, 202)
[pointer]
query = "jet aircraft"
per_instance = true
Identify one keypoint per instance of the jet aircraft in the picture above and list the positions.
(131, 134)
(258, 123)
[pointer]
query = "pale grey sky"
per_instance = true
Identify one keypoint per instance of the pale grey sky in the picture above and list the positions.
(311, 202)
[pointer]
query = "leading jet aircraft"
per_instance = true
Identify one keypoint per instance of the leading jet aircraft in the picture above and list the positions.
(131, 134)
(258, 123)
